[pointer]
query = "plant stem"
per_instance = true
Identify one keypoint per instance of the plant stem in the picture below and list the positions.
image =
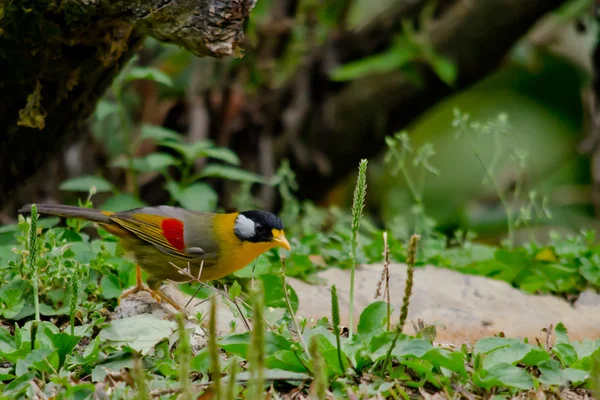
(291, 310)
(32, 260)
(509, 214)
(213, 350)
(257, 347)
(410, 268)
(410, 263)
(358, 203)
(184, 350)
(335, 317)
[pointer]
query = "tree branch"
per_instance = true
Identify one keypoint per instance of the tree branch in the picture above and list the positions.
(58, 58)
(351, 120)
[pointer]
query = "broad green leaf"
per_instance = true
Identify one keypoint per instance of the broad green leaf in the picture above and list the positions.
(273, 375)
(275, 296)
(159, 133)
(12, 302)
(443, 358)
(372, 319)
(504, 375)
(566, 353)
(201, 362)
(43, 360)
(83, 391)
(156, 162)
(238, 344)
(149, 73)
(576, 376)
(7, 342)
(85, 183)
(285, 360)
(64, 344)
(17, 387)
(141, 332)
(198, 196)
(488, 344)
(122, 202)
(510, 355)
(189, 151)
(231, 173)
(561, 333)
(399, 54)
(115, 365)
(234, 290)
(551, 374)
(221, 153)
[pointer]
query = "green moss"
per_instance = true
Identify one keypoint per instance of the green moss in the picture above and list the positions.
(33, 115)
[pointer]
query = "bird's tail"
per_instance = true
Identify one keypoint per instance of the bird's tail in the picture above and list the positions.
(88, 214)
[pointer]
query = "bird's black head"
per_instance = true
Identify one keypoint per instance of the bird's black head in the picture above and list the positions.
(260, 226)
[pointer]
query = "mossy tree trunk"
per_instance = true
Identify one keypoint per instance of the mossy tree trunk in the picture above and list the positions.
(57, 57)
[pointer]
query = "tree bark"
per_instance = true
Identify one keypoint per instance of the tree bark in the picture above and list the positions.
(58, 57)
(349, 121)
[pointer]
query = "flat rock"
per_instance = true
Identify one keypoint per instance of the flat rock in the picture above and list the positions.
(462, 307)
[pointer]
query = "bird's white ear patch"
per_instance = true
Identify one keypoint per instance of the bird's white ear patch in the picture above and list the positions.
(244, 227)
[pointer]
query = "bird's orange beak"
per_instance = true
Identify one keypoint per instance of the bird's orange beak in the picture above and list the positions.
(280, 240)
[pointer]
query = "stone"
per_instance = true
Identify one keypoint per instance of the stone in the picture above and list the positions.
(462, 307)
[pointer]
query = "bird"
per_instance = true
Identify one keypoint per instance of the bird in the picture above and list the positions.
(166, 240)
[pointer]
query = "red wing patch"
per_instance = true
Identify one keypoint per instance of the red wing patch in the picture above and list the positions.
(173, 231)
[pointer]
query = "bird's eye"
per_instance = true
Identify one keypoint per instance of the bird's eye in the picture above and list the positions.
(260, 228)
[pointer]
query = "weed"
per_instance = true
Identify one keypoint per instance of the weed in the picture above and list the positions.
(358, 203)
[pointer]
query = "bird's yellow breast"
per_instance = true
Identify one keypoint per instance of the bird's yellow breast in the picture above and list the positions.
(234, 254)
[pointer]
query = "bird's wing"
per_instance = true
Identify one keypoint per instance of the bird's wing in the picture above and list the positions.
(165, 232)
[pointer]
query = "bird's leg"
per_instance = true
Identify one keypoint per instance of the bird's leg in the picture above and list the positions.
(177, 306)
(139, 287)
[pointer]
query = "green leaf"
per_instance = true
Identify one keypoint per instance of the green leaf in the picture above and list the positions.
(111, 287)
(551, 374)
(156, 162)
(7, 342)
(149, 73)
(561, 333)
(275, 296)
(285, 360)
(566, 353)
(13, 302)
(115, 365)
(400, 54)
(159, 133)
(221, 153)
(504, 375)
(198, 196)
(444, 68)
(64, 344)
(17, 387)
(141, 332)
(273, 375)
(231, 173)
(373, 319)
(443, 358)
(201, 362)
(576, 376)
(122, 202)
(84, 391)
(190, 152)
(488, 344)
(85, 183)
(235, 290)
(506, 355)
(238, 344)
(104, 109)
